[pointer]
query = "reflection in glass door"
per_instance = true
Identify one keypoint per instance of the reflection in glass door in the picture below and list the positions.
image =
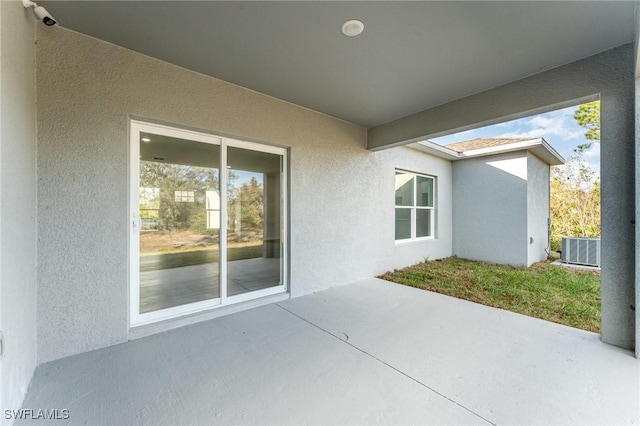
(193, 246)
(179, 222)
(254, 248)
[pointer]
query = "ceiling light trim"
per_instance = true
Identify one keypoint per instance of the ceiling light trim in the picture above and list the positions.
(352, 28)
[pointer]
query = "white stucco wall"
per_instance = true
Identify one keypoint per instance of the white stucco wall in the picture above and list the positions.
(537, 208)
(490, 208)
(17, 203)
(341, 195)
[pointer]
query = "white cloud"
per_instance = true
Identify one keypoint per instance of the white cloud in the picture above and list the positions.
(593, 152)
(592, 157)
(553, 124)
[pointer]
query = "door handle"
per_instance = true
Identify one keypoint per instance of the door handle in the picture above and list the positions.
(137, 222)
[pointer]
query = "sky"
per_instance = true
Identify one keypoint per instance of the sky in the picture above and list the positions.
(558, 128)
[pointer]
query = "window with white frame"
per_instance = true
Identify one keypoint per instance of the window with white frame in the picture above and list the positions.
(185, 196)
(415, 206)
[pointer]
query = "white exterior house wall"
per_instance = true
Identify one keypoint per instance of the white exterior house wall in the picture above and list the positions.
(341, 196)
(18, 259)
(490, 208)
(538, 208)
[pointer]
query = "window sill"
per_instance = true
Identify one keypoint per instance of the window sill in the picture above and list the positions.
(417, 240)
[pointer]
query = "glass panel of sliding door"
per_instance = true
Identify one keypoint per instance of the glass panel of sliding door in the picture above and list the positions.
(254, 220)
(179, 212)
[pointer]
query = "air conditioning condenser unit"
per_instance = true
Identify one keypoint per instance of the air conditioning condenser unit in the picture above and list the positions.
(581, 251)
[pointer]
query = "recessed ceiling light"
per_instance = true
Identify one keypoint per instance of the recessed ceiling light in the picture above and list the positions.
(145, 140)
(352, 28)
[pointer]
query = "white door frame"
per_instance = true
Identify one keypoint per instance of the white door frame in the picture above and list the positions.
(135, 317)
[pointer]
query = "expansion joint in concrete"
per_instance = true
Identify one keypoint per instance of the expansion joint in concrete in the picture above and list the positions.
(346, 341)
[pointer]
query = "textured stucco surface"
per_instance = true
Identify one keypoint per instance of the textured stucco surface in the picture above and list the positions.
(490, 208)
(611, 76)
(637, 182)
(618, 243)
(637, 236)
(537, 208)
(17, 202)
(341, 195)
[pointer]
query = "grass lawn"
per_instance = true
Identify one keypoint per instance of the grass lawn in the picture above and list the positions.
(543, 291)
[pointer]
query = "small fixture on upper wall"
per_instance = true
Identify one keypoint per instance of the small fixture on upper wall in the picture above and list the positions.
(41, 13)
(145, 139)
(352, 28)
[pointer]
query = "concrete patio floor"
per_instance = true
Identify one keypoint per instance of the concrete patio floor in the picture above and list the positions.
(371, 352)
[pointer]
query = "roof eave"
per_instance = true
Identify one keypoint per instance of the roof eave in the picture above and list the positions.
(555, 158)
(538, 146)
(436, 150)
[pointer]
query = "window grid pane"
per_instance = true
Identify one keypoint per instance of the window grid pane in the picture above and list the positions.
(403, 223)
(404, 189)
(424, 191)
(423, 223)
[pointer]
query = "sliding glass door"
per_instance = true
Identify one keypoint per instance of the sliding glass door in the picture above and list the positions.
(193, 246)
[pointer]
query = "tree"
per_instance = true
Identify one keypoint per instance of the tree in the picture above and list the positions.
(575, 200)
(588, 116)
(181, 193)
(247, 213)
(252, 199)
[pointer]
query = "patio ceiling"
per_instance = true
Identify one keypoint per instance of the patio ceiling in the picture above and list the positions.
(410, 57)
